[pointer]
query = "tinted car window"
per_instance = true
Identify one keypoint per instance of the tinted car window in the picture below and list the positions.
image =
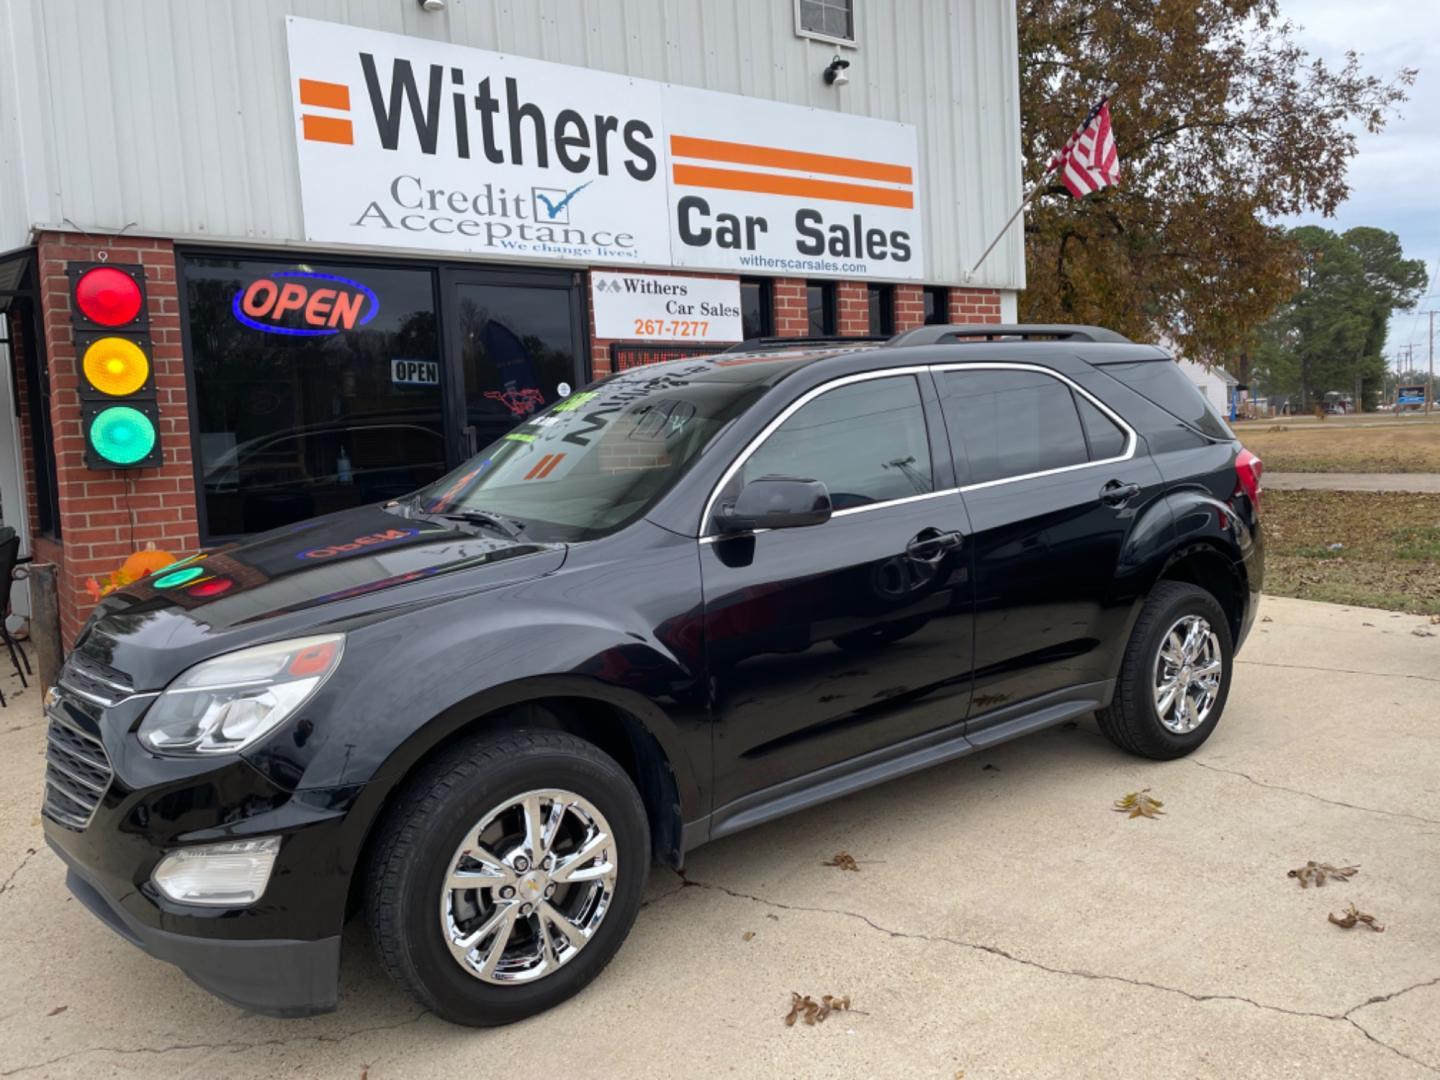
(1163, 383)
(1106, 438)
(596, 460)
(1010, 423)
(865, 441)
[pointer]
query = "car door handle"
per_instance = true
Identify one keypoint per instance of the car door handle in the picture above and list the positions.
(931, 545)
(1115, 493)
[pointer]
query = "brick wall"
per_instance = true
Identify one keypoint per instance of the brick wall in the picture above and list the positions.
(106, 515)
(909, 307)
(852, 308)
(974, 306)
(19, 329)
(792, 314)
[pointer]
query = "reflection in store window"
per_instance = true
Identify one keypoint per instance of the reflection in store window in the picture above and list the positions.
(300, 406)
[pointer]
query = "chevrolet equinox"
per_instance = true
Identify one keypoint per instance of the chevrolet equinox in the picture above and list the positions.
(686, 600)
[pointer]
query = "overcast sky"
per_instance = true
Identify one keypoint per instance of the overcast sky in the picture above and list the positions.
(1395, 178)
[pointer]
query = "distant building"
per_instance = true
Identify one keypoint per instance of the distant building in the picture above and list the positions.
(1217, 384)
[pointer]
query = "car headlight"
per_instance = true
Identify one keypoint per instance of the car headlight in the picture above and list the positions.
(223, 705)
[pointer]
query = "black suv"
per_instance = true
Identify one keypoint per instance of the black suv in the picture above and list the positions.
(686, 600)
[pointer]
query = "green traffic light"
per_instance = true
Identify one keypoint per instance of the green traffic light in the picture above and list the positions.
(122, 435)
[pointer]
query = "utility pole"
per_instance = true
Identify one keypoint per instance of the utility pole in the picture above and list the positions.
(1430, 381)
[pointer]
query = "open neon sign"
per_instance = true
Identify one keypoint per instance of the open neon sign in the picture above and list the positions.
(322, 304)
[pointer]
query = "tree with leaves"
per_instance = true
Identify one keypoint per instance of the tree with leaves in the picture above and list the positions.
(1223, 123)
(1329, 335)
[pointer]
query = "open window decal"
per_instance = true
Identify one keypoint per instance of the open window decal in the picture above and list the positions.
(305, 303)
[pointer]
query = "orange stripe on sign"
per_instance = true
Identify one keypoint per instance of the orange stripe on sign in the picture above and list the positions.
(326, 129)
(799, 160)
(551, 467)
(769, 184)
(324, 95)
(533, 473)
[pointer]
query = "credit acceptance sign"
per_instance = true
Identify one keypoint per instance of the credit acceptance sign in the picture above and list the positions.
(409, 143)
(657, 307)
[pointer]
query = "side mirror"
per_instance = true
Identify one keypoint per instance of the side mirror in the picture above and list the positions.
(776, 502)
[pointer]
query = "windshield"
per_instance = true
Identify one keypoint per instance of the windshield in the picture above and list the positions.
(596, 460)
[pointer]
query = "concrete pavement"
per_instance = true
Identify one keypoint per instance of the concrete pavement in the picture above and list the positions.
(1004, 921)
(1425, 483)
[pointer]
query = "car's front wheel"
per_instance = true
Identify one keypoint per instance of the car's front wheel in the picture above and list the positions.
(1175, 675)
(507, 875)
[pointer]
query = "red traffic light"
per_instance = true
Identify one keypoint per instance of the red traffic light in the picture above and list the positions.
(108, 296)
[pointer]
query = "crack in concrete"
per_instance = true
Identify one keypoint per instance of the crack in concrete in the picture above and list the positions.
(1080, 973)
(237, 1045)
(1382, 998)
(1339, 670)
(9, 881)
(1312, 795)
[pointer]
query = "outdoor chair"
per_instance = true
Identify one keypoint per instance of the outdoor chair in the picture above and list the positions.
(9, 555)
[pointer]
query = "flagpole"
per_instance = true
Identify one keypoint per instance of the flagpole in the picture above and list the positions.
(1035, 189)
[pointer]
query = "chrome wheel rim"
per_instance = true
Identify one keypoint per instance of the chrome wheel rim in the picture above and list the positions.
(1188, 669)
(528, 887)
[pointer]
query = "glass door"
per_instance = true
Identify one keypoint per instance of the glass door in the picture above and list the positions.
(519, 340)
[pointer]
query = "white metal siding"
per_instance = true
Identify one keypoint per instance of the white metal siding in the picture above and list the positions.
(172, 117)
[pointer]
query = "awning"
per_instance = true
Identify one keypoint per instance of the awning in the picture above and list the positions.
(15, 278)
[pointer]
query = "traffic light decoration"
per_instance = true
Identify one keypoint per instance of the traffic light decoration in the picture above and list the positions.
(120, 419)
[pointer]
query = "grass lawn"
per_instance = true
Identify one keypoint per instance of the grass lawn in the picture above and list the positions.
(1390, 553)
(1389, 446)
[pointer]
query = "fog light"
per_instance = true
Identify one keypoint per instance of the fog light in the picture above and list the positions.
(221, 875)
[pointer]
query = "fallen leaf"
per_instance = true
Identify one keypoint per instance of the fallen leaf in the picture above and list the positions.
(991, 768)
(814, 1012)
(1354, 915)
(1319, 873)
(1435, 619)
(1139, 804)
(57, 1010)
(1266, 618)
(1367, 624)
(748, 935)
(843, 860)
(769, 915)
(1423, 631)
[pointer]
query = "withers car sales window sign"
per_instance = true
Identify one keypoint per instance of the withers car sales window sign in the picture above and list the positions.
(409, 143)
(652, 307)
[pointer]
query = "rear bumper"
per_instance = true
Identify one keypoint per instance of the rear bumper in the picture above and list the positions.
(278, 977)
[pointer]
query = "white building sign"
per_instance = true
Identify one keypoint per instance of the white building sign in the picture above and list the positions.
(656, 307)
(409, 143)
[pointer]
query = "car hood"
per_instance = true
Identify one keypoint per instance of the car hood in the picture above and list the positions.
(330, 573)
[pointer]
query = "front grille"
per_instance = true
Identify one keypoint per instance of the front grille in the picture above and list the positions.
(77, 774)
(95, 682)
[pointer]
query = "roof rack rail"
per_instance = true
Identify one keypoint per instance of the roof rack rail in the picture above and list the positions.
(934, 335)
(761, 343)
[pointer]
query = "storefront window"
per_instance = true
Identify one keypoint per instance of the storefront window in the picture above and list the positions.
(756, 307)
(316, 387)
(881, 301)
(935, 306)
(820, 300)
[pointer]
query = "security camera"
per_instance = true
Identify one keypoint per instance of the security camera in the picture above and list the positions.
(835, 73)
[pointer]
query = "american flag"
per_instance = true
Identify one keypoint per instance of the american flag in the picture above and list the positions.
(1088, 160)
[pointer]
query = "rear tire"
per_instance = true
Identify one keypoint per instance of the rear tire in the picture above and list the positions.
(1164, 665)
(548, 798)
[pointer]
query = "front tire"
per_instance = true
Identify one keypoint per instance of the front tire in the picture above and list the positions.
(507, 874)
(1175, 676)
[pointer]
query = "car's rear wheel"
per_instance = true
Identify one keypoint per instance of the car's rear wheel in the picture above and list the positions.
(1175, 675)
(507, 875)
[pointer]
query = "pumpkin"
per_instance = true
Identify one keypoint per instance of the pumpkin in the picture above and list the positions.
(142, 563)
